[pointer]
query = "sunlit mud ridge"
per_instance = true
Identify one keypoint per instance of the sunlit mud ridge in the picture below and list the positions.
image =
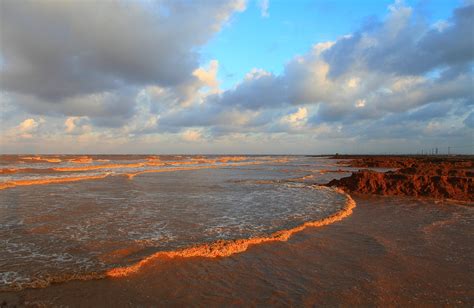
(11, 184)
(223, 162)
(41, 159)
(81, 160)
(225, 248)
(13, 170)
(106, 166)
(27, 170)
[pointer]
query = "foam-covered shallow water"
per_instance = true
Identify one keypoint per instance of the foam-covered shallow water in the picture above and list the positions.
(57, 231)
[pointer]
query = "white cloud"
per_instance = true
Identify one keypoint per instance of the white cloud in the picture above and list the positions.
(149, 43)
(256, 73)
(27, 128)
(192, 135)
(28, 125)
(296, 119)
(383, 81)
(70, 125)
(264, 7)
(353, 82)
(208, 77)
(360, 103)
(77, 125)
(441, 25)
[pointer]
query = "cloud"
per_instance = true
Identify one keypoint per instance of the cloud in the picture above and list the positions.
(297, 119)
(208, 77)
(70, 124)
(192, 135)
(360, 103)
(28, 125)
(398, 79)
(108, 108)
(405, 46)
(27, 128)
(344, 103)
(365, 75)
(77, 125)
(267, 85)
(469, 120)
(264, 6)
(59, 56)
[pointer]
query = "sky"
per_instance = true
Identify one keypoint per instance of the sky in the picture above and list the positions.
(223, 77)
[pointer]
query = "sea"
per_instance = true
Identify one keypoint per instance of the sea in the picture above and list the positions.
(81, 217)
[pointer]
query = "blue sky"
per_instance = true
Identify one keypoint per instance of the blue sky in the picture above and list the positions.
(292, 27)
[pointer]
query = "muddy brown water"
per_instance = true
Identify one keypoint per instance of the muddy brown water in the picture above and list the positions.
(390, 251)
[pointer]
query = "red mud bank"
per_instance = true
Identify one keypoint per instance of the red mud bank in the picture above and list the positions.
(432, 177)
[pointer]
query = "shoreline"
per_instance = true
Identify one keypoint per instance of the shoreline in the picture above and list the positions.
(226, 248)
(217, 249)
(390, 251)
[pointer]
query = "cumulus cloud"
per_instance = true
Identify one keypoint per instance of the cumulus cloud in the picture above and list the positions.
(365, 75)
(404, 46)
(62, 53)
(351, 103)
(208, 76)
(192, 135)
(27, 128)
(266, 85)
(296, 119)
(28, 125)
(399, 78)
(70, 124)
(77, 125)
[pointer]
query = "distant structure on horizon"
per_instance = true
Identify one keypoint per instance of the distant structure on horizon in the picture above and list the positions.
(447, 150)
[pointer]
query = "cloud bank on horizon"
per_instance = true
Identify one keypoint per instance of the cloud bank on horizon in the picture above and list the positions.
(128, 77)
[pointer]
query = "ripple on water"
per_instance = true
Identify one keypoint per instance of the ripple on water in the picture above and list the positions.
(81, 230)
